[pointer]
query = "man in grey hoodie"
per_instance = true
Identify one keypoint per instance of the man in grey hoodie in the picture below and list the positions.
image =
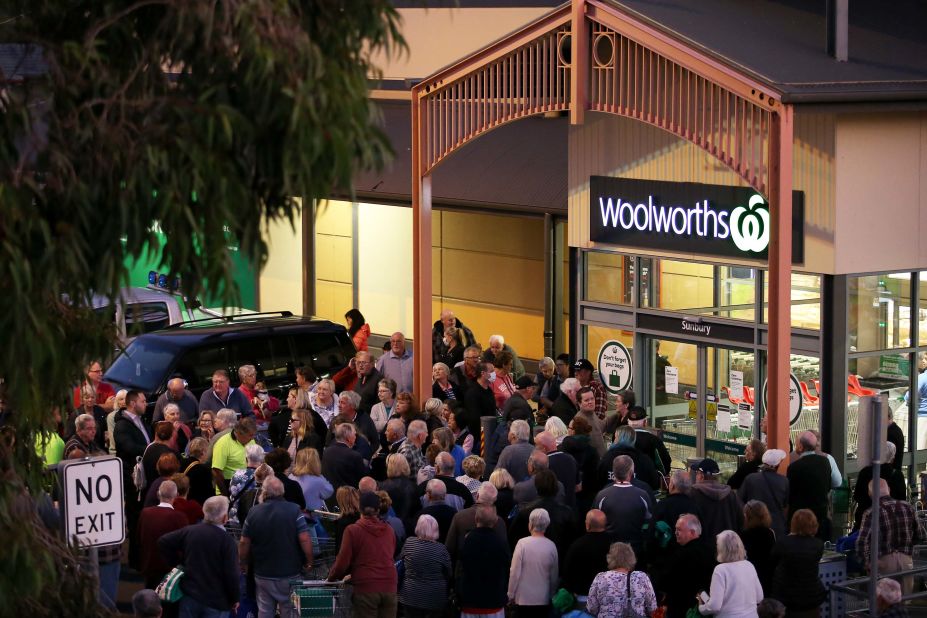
(719, 507)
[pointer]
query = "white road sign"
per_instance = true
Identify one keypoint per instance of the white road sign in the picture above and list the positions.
(93, 501)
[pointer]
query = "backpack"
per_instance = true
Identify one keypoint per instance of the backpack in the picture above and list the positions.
(138, 472)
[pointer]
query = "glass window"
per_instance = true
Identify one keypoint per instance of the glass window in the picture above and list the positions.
(143, 366)
(879, 312)
(146, 317)
(609, 278)
(871, 375)
(324, 353)
(702, 289)
(198, 365)
(806, 301)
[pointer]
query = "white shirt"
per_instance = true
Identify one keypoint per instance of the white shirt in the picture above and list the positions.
(735, 591)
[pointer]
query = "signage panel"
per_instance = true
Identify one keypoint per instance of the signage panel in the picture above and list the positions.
(697, 328)
(615, 367)
(687, 217)
(93, 501)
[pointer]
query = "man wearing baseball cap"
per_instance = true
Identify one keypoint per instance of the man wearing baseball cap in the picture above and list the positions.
(583, 371)
(517, 405)
(719, 507)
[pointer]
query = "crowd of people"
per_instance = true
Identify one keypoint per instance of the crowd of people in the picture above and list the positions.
(550, 509)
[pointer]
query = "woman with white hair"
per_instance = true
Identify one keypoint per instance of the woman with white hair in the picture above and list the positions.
(735, 588)
(324, 400)
(621, 591)
(557, 428)
(442, 388)
(548, 381)
(427, 566)
(533, 575)
(243, 479)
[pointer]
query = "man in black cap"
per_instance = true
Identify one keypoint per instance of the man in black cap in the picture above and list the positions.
(517, 405)
(649, 443)
(719, 507)
(583, 371)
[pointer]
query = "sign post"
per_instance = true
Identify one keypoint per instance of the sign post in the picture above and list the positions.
(92, 501)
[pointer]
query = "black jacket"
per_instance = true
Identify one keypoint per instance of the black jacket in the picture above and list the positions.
(745, 469)
(484, 564)
(342, 465)
(564, 409)
(438, 393)
(652, 446)
(479, 402)
(210, 560)
(644, 468)
(130, 443)
(795, 579)
(366, 387)
(688, 573)
(453, 487)
(585, 559)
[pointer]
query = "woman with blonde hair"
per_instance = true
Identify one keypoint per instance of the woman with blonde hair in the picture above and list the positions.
(505, 485)
(735, 588)
(302, 433)
(324, 400)
(400, 487)
(433, 418)
(307, 471)
(348, 500)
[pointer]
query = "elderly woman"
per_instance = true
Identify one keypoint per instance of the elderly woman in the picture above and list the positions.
(243, 479)
(324, 400)
(302, 433)
(427, 572)
(473, 467)
(195, 468)
(505, 488)
(182, 434)
(557, 428)
(753, 459)
(168, 465)
(307, 471)
(796, 558)
(432, 413)
(533, 575)
(204, 425)
(503, 386)
(621, 591)
(735, 587)
(381, 412)
(443, 388)
(759, 540)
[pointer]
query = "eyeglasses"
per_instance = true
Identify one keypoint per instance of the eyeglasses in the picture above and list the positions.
(471, 358)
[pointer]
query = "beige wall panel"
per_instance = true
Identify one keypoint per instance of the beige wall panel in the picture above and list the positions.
(880, 192)
(494, 279)
(332, 300)
(385, 266)
(437, 217)
(333, 217)
(438, 37)
(281, 280)
(333, 258)
(514, 236)
(523, 330)
(436, 261)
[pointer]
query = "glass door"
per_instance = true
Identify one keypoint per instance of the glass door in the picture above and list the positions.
(731, 405)
(673, 396)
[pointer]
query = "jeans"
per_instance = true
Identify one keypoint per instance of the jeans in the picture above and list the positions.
(109, 583)
(273, 594)
(191, 608)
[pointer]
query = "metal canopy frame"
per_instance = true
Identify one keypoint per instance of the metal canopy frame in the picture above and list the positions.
(627, 68)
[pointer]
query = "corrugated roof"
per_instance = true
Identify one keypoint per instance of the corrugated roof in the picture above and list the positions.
(782, 43)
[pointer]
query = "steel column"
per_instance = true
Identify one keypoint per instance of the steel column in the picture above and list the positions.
(834, 366)
(421, 260)
(780, 276)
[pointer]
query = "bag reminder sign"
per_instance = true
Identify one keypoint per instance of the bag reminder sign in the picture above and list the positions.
(615, 366)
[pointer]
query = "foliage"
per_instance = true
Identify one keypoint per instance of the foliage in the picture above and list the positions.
(203, 118)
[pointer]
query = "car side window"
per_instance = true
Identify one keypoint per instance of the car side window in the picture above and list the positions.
(325, 353)
(146, 317)
(198, 365)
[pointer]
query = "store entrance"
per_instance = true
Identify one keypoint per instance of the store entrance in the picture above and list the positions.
(703, 398)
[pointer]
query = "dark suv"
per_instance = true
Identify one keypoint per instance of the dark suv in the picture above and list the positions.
(276, 344)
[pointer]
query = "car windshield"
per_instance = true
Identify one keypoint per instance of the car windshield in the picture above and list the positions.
(143, 365)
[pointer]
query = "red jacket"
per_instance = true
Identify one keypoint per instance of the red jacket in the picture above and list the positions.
(153, 523)
(360, 338)
(366, 553)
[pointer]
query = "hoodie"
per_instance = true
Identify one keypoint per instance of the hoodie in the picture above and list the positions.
(719, 508)
(366, 554)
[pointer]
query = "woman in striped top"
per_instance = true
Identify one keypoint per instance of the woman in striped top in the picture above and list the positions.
(427, 572)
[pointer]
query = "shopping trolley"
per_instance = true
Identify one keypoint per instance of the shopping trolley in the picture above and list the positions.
(319, 598)
(323, 557)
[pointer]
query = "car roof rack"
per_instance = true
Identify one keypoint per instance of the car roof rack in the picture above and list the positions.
(227, 319)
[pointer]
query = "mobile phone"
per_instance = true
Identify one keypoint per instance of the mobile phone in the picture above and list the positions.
(703, 597)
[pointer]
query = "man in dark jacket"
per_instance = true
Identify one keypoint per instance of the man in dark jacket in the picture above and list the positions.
(341, 465)
(479, 399)
(563, 527)
(689, 570)
(645, 470)
(444, 472)
(517, 405)
(210, 560)
(437, 333)
(131, 437)
(719, 508)
(810, 483)
(349, 411)
(586, 557)
(484, 564)
(648, 443)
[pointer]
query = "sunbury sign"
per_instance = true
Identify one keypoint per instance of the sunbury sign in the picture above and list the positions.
(687, 217)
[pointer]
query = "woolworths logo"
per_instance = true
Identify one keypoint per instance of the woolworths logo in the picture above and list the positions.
(746, 226)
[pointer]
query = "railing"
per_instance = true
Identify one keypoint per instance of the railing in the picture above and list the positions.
(851, 597)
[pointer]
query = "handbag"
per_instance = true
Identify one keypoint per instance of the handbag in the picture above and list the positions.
(169, 588)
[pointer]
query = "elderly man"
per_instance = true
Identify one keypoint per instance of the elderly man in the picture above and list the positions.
(897, 533)
(465, 375)
(564, 407)
(718, 506)
(517, 405)
(689, 568)
(411, 449)
(582, 370)
(341, 464)
(458, 496)
(178, 394)
(888, 599)
(210, 560)
(810, 483)
(224, 395)
(484, 566)
(561, 464)
(276, 535)
(446, 321)
(153, 523)
(83, 442)
(586, 557)
(497, 345)
(464, 521)
(349, 411)
(435, 504)
(395, 436)
(646, 442)
(514, 457)
(627, 507)
(228, 456)
(526, 491)
(361, 376)
(397, 363)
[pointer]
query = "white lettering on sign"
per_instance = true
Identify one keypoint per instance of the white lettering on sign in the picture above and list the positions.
(747, 226)
(695, 327)
(615, 366)
(93, 501)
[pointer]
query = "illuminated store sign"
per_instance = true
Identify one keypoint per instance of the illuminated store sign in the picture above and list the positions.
(687, 217)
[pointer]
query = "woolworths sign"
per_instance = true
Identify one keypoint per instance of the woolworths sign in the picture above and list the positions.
(687, 217)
